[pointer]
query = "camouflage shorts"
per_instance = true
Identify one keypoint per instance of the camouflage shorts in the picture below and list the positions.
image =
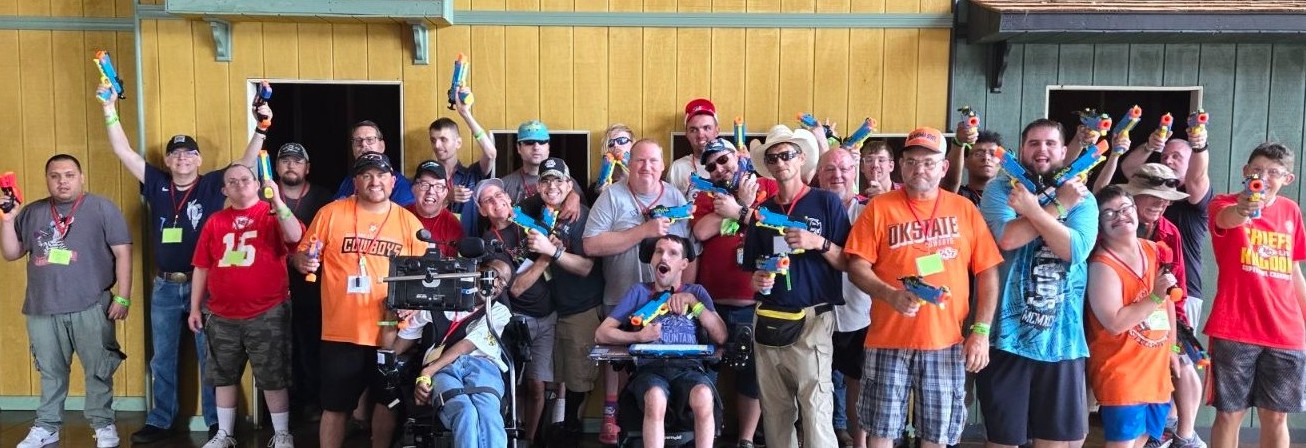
(263, 340)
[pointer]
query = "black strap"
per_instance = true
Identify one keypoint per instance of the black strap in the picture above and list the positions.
(451, 393)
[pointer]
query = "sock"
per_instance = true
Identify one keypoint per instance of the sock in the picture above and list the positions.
(574, 401)
(227, 420)
(281, 421)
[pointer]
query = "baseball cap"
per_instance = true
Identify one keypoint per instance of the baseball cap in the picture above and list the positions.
(713, 147)
(699, 106)
(533, 130)
(482, 185)
(1155, 179)
(292, 150)
(182, 142)
(373, 160)
(555, 167)
(433, 167)
(926, 137)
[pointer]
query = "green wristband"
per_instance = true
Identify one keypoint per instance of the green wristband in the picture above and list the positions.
(125, 302)
(1156, 299)
(388, 323)
(110, 120)
(1176, 349)
(284, 212)
(697, 309)
(981, 329)
(478, 134)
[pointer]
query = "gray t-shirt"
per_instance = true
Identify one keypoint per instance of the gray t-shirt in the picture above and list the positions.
(520, 185)
(617, 210)
(54, 288)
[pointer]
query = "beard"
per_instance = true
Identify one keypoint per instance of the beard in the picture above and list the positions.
(292, 181)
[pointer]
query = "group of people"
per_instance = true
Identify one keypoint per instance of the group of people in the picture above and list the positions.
(872, 308)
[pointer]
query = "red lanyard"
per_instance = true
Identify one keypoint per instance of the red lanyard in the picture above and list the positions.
(176, 206)
(63, 223)
(925, 226)
(302, 194)
(379, 228)
(1143, 258)
(456, 324)
(794, 203)
(662, 188)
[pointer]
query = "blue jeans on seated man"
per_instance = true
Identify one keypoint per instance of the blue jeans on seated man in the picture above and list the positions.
(169, 308)
(475, 419)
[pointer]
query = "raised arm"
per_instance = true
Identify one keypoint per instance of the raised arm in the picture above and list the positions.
(134, 163)
(250, 156)
(488, 151)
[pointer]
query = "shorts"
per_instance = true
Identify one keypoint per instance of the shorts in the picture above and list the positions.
(541, 366)
(850, 352)
(262, 340)
(575, 336)
(745, 378)
(1126, 423)
(348, 370)
(1022, 398)
(674, 381)
(938, 378)
(1248, 375)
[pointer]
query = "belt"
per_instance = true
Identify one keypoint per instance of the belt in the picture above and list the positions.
(175, 277)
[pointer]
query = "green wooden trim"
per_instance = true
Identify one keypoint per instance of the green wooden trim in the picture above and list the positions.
(699, 19)
(312, 8)
(67, 23)
(153, 12)
(28, 403)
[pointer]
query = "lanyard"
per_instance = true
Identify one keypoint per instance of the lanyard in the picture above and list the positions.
(662, 188)
(456, 324)
(1143, 258)
(302, 195)
(926, 225)
(63, 223)
(794, 203)
(362, 257)
(176, 206)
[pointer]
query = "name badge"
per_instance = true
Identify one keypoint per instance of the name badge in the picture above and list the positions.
(60, 256)
(233, 258)
(928, 265)
(1159, 320)
(172, 235)
(779, 245)
(358, 284)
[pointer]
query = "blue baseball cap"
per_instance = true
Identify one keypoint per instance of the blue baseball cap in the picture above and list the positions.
(533, 130)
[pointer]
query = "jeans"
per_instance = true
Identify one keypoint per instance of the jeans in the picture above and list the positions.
(169, 309)
(54, 339)
(840, 401)
(476, 419)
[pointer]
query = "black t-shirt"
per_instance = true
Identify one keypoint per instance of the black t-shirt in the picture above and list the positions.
(305, 208)
(535, 300)
(1192, 221)
(571, 293)
(186, 210)
(812, 278)
(971, 195)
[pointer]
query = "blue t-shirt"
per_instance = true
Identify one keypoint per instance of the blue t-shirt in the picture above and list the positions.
(813, 280)
(402, 194)
(1041, 315)
(676, 329)
(187, 210)
(467, 176)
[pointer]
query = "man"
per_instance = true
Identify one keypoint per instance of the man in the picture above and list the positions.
(78, 249)
(431, 189)
(180, 200)
(304, 200)
(911, 348)
(576, 290)
(689, 307)
(359, 235)
(1034, 384)
(446, 141)
(837, 173)
(729, 284)
(877, 166)
(533, 147)
(1258, 345)
(981, 165)
(700, 129)
(238, 265)
(365, 137)
(528, 294)
(793, 368)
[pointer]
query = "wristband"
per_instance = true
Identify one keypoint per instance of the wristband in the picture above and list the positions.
(426, 380)
(478, 134)
(284, 212)
(743, 213)
(825, 247)
(388, 323)
(697, 309)
(557, 254)
(110, 120)
(1156, 299)
(1197, 150)
(125, 302)
(981, 329)
(1176, 349)
(1061, 209)
(261, 131)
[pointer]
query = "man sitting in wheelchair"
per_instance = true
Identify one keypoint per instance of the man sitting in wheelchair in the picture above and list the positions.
(687, 307)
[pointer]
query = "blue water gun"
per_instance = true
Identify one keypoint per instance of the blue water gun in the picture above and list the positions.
(1126, 124)
(1016, 171)
(262, 94)
(1094, 121)
(706, 186)
(773, 265)
(265, 172)
(741, 133)
(1197, 122)
(776, 221)
(934, 295)
(549, 217)
(608, 167)
(651, 310)
(526, 222)
(1083, 164)
(677, 213)
(855, 140)
(108, 75)
(460, 68)
(808, 120)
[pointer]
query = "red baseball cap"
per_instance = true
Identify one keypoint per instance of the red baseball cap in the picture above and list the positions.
(699, 106)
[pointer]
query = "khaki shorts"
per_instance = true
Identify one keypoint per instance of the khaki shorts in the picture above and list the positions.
(575, 337)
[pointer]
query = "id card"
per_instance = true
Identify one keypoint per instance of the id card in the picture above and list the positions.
(927, 265)
(60, 256)
(233, 258)
(779, 246)
(1159, 320)
(172, 235)
(358, 284)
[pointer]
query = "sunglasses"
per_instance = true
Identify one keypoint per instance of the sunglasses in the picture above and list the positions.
(532, 142)
(711, 166)
(623, 140)
(772, 159)
(1159, 182)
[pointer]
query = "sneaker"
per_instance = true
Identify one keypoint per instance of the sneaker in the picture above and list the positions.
(149, 434)
(1195, 442)
(282, 440)
(213, 430)
(221, 440)
(107, 437)
(1152, 442)
(38, 437)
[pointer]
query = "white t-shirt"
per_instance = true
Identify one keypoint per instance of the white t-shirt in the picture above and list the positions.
(678, 175)
(855, 313)
(616, 210)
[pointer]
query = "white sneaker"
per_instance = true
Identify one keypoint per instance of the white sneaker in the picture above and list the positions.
(107, 437)
(38, 437)
(221, 440)
(282, 440)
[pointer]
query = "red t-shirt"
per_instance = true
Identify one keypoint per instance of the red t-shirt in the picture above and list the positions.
(1255, 300)
(1167, 233)
(445, 230)
(246, 261)
(724, 277)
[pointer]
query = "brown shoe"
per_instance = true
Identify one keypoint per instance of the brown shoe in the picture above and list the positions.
(845, 439)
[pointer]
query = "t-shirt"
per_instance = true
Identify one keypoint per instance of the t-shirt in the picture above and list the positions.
(855, 313)
(678, 174)
(474, 330)
(970, 194)
(1192, 221)
(728, 280)
(348, 234)
(891, 235)
(811, 280)
(1132, 367)
(243, 251)
(571, 293)
(616, 210)
(304, 209)
(535, 301)
(676, 328)
(402, 194)
(467, 213)
(1041, 313)
(187, 210)
(95, 227)
(445, 229)
(1167, 233)
(520, 185)
(1255, 300)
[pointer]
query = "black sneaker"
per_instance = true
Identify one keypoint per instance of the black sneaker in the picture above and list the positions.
(149, 434)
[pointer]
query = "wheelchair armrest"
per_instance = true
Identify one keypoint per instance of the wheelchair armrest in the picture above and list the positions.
(738, 350)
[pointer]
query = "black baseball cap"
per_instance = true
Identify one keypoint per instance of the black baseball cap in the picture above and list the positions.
(555, 167)
(182, 142)
(713, 147)
(435, 168)
(292, 150)
(373, 160)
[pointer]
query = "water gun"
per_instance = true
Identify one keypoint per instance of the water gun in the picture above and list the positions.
(526, 222)
(1197, 122)
(934, 295)
(972, 122)
(9, 186)
(460, 67)
(855, 140)
(1016, 171)
(740, 133)
(772, 265)
(808, 120)
(1126, 124)
(1254, 188)
(265, 172)
(685, 211)
(1163, 129)
(651, 310)
(776, 221)
(549, 217)
(1099, 123)
(314, 251)
(261, 97)
(108, 76)
(607, 167)
(1165, 257)
(1192, 347)
(706, 186)
(1082, 165)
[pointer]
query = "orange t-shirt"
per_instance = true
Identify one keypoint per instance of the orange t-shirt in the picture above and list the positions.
(349, 233)
(1132, 367)
(893, 234)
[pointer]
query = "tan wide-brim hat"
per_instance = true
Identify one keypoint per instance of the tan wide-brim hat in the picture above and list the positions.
(782, 134)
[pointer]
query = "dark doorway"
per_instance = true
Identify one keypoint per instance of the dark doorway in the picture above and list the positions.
(680, 145)
(1064, 103)
(320, 116)
(570, 146)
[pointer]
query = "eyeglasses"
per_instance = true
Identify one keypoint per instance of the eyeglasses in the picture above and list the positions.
(428, 186)
(532, 142)
(1159, 182)
(772, 159)
(554, 182)
(1271, 173)
(623, 140)
(1108, 214)
(838, 169)
(711, 166)
(369, 140)
(186, 154)
(495, 196)
(239, 182)
(911, 164)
